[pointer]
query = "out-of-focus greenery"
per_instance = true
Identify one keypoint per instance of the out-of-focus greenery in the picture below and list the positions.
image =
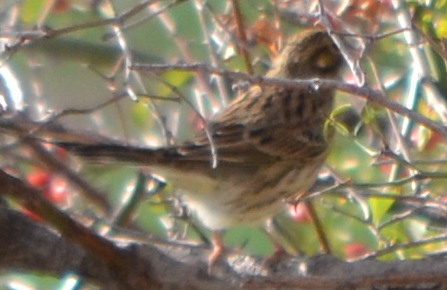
(72, 71)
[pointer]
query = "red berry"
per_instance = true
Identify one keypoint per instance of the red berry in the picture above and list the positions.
(39, 178)
(355, 250)
(299, 213)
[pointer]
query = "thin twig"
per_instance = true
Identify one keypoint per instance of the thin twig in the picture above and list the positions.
(372, 95)
(240, 30)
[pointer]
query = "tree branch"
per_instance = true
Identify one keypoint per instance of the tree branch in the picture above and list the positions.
(118, 265)
(372, 95)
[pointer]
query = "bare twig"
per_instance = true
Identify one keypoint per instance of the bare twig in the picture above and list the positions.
(372, 95)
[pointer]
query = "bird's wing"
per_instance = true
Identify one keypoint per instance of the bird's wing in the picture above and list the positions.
(254, 129)
(261, 126)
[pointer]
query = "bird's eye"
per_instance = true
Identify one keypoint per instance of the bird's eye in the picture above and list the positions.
(325, 60)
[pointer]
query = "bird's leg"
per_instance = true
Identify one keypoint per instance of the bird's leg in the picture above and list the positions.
(217, 251)
(279, 250)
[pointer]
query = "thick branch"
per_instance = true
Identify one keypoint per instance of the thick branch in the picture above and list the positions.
(137, 265)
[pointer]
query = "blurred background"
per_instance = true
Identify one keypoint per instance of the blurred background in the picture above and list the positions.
(66, 75)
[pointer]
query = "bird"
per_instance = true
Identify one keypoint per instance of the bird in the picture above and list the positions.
(269, 142)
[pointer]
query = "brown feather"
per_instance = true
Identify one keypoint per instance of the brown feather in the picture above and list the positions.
(270, 142)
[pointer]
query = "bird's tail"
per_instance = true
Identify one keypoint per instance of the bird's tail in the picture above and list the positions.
(110, 153)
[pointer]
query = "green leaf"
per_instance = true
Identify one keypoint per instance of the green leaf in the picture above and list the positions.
(175, 78)
(140, 115)
(345, 119)
(32, 10)
(441, 28)
(380, 206)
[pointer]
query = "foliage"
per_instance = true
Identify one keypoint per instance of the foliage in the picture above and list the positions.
(382, 191)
